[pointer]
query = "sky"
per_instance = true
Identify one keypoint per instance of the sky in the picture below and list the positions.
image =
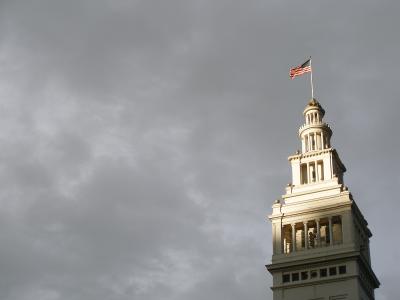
(142, 143)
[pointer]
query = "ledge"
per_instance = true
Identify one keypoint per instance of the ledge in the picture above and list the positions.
(313, 257)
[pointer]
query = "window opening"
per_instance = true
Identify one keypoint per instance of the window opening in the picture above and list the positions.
(312, 172)
(342, 270)
(286, 278)
(324, 233)
(287, 238)
(323, 272)
(300, 241)
(312, 234)
(304, 275)
(313, 274)
(320, 166)
(304, 179)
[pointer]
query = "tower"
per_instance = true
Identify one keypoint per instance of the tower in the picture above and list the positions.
(320, 237)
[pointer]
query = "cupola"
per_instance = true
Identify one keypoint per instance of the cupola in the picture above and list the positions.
(314, 134)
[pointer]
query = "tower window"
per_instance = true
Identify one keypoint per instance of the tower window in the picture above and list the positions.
(342, 270)
(314, 274)
(324, 232)
(295, 276)
(332, 271)
(304, 275)
(312, 172)
(285, 278)
(287, 239)
(323, 272)
(303, 175)
(312, 234)
(320, 166)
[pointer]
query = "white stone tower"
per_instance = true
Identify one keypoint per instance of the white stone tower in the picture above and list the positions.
(320, 237)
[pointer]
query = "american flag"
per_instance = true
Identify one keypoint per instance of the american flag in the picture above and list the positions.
(300, 70)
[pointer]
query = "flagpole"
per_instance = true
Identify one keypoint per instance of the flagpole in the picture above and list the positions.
(312, 85)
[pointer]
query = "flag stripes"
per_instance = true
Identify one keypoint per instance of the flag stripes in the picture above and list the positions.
(300, 70)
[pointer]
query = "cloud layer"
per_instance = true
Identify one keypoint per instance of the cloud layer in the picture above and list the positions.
(143, 142)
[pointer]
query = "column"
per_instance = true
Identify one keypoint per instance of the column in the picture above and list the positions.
(305, 235)
(312, 141)
(303, 146)
(308, 173)
(306, 142)
(315, 141)
(318, 233)
(294, 237)
(322, 170)
(312, 172)
(274, 238)
(316, 171)
(322, 140)
(330, 231)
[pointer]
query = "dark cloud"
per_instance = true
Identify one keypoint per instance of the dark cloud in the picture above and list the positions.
(143, 142)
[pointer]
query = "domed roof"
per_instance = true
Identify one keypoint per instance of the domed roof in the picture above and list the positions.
(314, 104)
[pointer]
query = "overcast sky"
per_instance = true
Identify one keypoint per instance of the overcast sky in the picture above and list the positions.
(142, 143)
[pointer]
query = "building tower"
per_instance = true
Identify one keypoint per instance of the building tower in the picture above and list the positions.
(320, 237)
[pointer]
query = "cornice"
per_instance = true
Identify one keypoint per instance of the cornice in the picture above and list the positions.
(317, 190)
(321, 125)
(309, 154)
(319, 209)
(312, 261)
(317, 153)
(298, 213)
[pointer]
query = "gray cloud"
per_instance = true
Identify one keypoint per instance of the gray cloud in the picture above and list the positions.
(143, 142)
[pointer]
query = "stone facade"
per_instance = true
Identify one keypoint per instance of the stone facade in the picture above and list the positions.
(320, 237)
